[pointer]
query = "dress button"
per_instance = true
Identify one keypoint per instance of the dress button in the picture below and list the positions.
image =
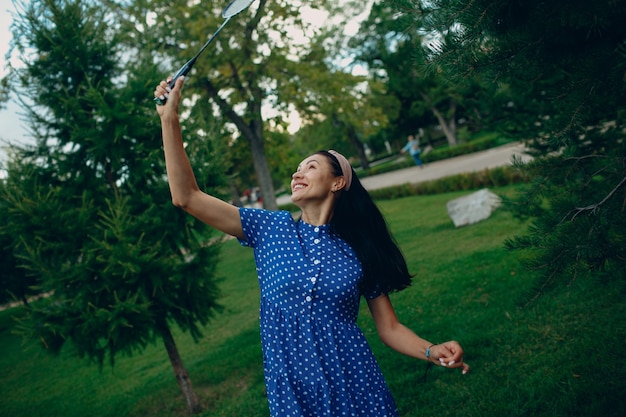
(317, 229)
(313, 280)
(308, 298)
(316, 241)
(316, 262)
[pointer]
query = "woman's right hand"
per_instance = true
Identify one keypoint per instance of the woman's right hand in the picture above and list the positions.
(171, 95)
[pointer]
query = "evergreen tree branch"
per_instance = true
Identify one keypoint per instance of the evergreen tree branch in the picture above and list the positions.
(594, 207)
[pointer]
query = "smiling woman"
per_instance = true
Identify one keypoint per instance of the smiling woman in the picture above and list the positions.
(312, 274)
(314, 180)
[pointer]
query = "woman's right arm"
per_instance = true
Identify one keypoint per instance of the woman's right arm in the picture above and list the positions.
(183, 185)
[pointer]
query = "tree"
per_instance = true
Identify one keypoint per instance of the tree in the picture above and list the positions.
(88, 205)
(565, 62)
(389, 43)
(281, 157)
(16, 284)
(256, 69)
(341, 115)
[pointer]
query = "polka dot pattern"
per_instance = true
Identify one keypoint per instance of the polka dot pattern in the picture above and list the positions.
(317, 361)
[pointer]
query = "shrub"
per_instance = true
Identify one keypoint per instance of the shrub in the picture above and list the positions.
(495, 177)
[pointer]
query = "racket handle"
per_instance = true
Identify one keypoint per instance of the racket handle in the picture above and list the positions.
(160, 101)
(184, 70)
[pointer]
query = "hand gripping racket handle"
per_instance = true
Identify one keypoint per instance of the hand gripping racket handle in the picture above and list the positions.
(184, 70)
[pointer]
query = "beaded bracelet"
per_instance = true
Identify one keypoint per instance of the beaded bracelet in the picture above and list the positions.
(428, 352)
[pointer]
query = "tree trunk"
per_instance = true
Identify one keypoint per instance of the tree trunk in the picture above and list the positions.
(181, 374)
(253, 132)
(452, 121)
(360, 149)
(261, 167)
(354, 139)
(449, 131)
(234, 194)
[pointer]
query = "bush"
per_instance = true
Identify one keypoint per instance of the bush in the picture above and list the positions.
(494, 177)
(487, 142)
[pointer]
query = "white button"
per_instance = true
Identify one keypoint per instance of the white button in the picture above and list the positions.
(313, 280)
(308, 298)
(316, 262)
(317, 229)
(316, 241)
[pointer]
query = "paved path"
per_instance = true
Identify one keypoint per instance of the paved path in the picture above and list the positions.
(473, 162)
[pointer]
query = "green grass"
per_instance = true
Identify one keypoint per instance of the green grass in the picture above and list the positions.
(562, 356)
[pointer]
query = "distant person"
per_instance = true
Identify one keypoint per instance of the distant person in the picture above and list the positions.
(413, 147)
(313, 272)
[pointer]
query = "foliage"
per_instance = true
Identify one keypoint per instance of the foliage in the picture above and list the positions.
(88, 206)
(496, 177)
(269, 61)
(345, 112)
(16, 284)
(281, 158)
(389, 45)
(480, 144)
(564, 62)
(384, 44)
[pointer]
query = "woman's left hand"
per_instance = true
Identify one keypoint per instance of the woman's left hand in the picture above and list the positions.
(450, 355)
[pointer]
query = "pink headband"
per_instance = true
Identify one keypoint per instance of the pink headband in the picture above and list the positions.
(346, 168)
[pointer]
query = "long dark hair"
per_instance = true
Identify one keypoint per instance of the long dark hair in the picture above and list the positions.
(358, 221)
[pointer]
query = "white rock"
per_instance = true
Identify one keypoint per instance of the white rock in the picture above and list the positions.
(473, 208)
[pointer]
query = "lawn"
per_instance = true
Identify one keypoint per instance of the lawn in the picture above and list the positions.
(563, 355)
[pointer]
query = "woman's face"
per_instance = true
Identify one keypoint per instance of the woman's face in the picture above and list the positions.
(313, 180)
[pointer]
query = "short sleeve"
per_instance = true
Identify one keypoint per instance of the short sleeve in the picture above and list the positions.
(372, 292)
(257, 224)
(251, 219)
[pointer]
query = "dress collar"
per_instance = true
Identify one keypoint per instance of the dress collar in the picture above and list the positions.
(309, 229)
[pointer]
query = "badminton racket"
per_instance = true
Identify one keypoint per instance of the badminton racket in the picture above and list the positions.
(233, 8)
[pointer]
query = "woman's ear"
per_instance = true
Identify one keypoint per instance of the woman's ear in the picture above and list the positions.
(340, 183)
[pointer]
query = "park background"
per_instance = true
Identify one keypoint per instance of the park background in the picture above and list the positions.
(134, 289)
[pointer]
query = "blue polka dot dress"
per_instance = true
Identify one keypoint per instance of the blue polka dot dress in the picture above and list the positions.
(316, 360)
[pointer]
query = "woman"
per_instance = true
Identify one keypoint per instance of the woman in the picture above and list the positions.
(312, 273)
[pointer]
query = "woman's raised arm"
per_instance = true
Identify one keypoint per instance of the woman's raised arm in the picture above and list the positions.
(183, 185)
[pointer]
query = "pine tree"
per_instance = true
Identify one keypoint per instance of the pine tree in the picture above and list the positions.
(88, 206)
(16, 285)
(565, 63)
